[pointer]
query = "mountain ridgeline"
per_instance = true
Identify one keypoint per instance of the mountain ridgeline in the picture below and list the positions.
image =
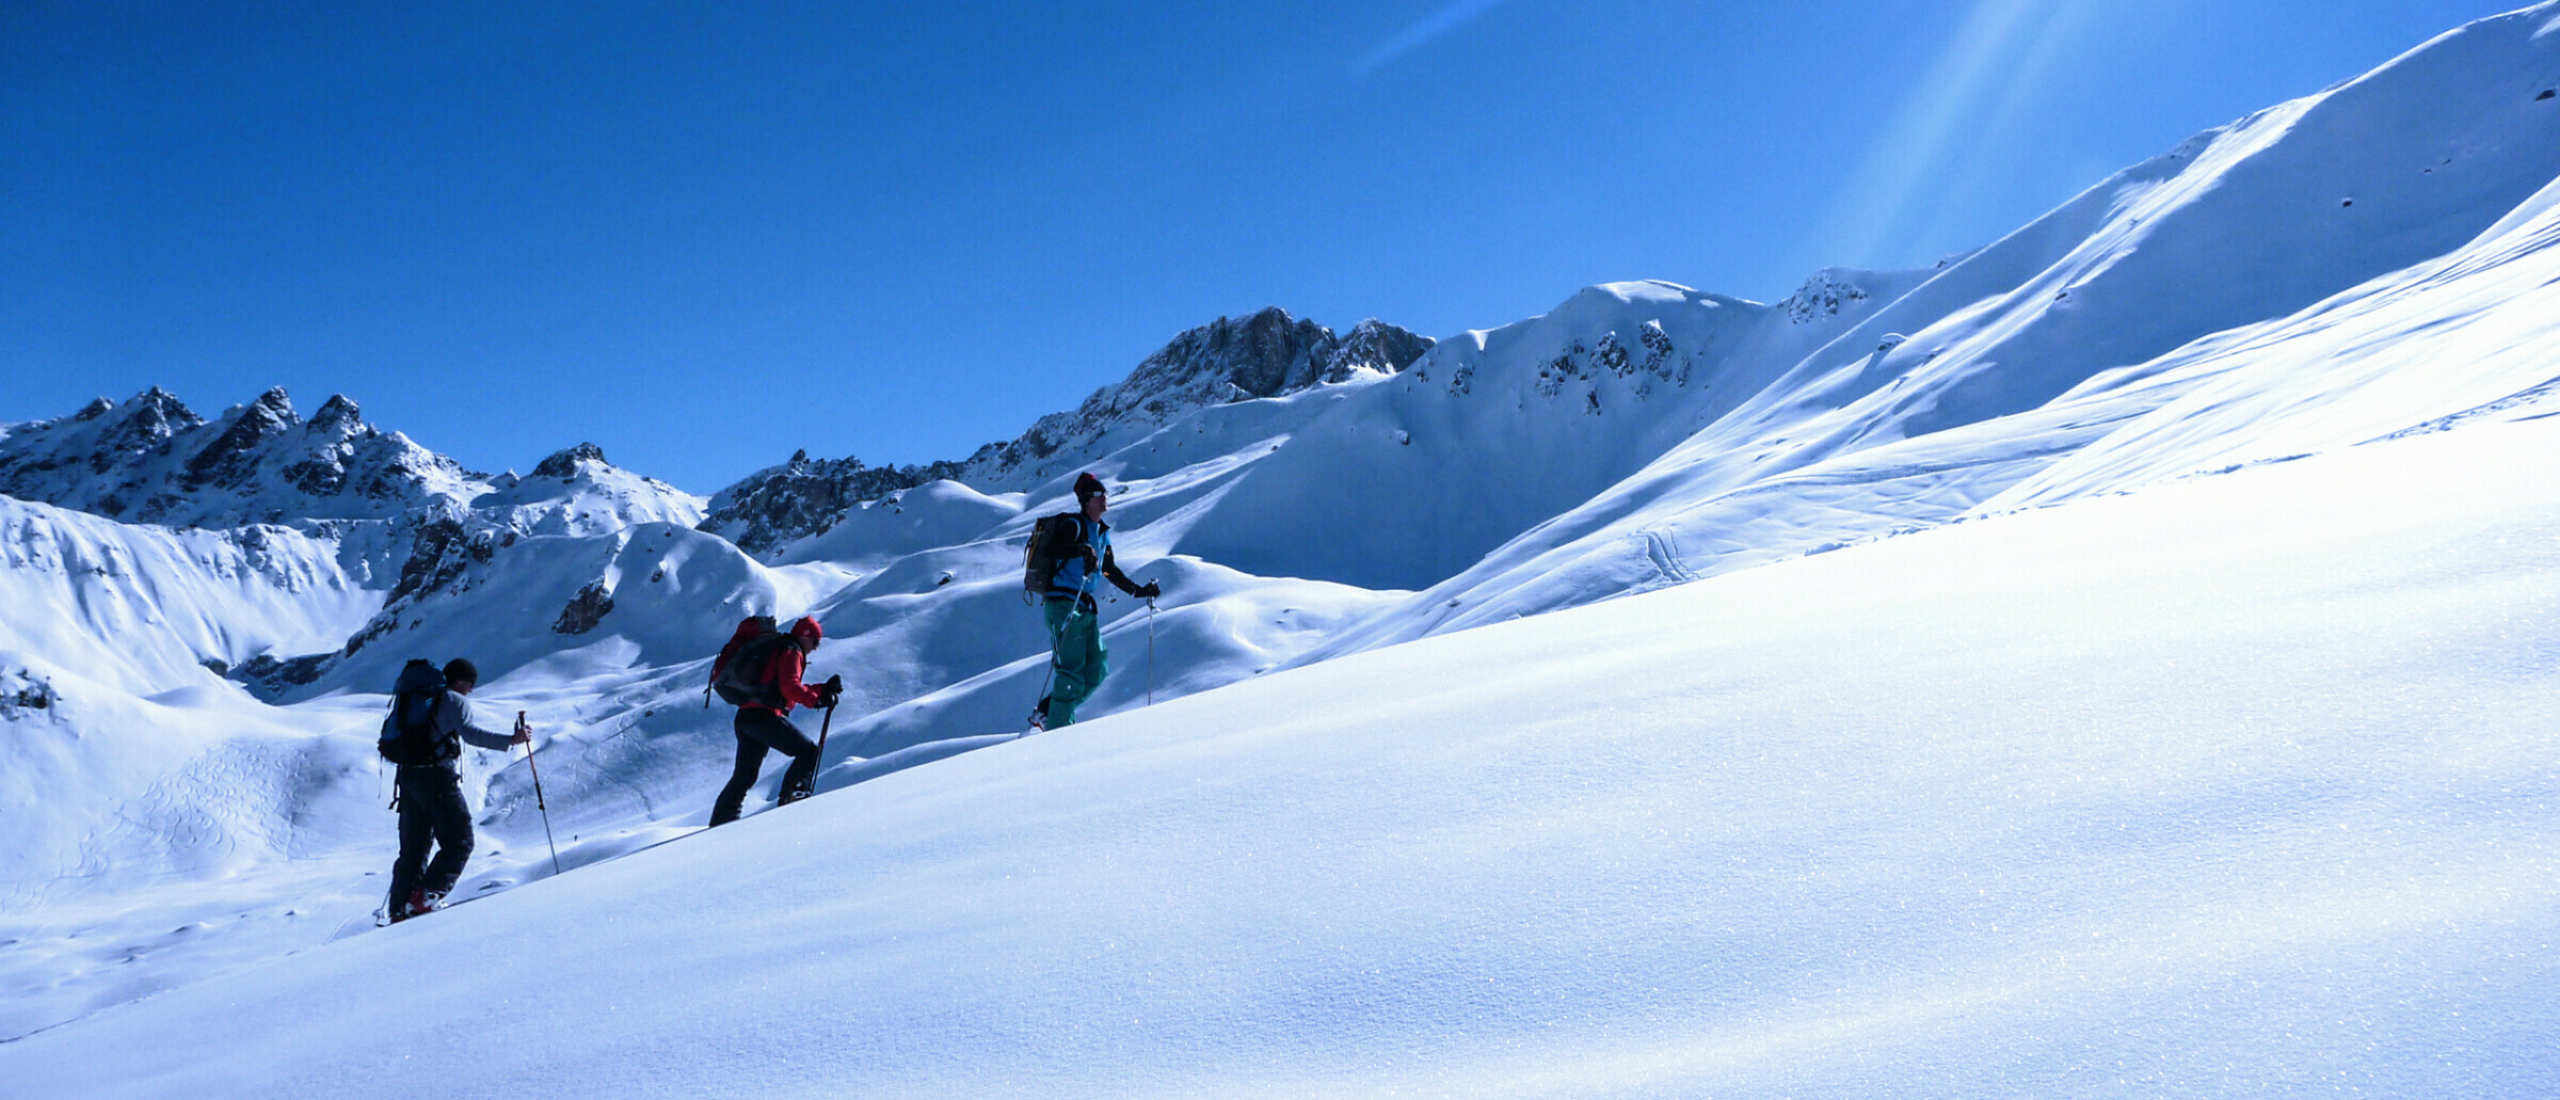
(2260, 321)
(1268, 354)
(1639, 434)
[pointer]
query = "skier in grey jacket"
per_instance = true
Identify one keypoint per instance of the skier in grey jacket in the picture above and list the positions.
(432, 809)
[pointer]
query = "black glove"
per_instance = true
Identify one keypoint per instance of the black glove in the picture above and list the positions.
(1149, 590)
(1092, 560)
(831, 691)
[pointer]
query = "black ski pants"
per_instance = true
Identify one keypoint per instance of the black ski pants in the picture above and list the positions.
(759, 730)
(432, 812)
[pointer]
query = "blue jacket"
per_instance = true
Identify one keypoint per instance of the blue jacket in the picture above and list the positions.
(1074, 580)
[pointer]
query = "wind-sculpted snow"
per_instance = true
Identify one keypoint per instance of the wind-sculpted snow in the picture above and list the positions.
(2239, 787)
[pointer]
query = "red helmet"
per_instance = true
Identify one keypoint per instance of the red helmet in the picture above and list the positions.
(806, 629)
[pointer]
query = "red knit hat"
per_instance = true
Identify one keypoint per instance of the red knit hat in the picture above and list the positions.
(807, 628)
(1087, 485)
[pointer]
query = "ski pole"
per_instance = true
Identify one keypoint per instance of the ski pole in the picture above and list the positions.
(1151, 651)
(820, 762)
(538, 803)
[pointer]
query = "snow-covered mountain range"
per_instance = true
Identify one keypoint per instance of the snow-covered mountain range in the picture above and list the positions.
(202, 615)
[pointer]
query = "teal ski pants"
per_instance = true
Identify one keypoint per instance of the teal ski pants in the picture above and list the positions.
(1075, 655)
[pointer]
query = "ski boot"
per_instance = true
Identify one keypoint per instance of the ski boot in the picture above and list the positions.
(418, 904)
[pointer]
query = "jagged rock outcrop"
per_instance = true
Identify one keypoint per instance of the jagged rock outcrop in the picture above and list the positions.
(565, 464)
(585, 611)
(806, 496)
(1375, 346)
(1268, 354)
(22, 691)
(153, 460)
(1824, 295)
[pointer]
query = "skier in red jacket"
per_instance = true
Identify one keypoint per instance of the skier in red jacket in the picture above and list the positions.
(765, 723)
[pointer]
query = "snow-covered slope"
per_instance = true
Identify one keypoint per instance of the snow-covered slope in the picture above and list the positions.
(2335, 269)
(2370, 263)
(2240, 787)
(132, 775)
(577, 492)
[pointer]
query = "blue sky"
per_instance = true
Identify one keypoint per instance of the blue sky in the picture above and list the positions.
(703, 236)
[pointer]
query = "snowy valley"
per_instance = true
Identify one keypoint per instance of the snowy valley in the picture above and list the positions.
(2121, 658)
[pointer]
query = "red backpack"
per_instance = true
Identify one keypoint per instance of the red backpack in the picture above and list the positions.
(738, 675)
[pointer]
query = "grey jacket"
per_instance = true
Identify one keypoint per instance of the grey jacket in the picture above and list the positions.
(455, 727)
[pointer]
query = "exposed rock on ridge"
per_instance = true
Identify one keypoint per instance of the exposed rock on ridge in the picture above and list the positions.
(806, 496)
(1268, 354)
(153, 460)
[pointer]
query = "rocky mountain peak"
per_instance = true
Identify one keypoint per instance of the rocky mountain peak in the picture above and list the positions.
(337, 416)
(276, 404)
(804, 497)
(564, 464)
(1823, 296)
(232, 457)
(1376, 346)
(1266, 354)
(151, 459)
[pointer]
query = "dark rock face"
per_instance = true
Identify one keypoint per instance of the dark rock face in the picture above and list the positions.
(1822, 296)
(445, 550)
(564, 464)
(1268, 354)
(152, 460)
(439, 552)
(232, 458)
(585, 610)
(26, 692)
(804, 497)
(1375, 345)
(269, 677)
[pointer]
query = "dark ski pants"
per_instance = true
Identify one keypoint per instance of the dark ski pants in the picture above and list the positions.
(432, 812)
(759, 730)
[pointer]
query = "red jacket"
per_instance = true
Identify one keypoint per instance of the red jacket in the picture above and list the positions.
(783, 672)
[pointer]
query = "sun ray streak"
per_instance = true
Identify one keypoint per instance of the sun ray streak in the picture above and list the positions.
(1999, 51)
(1432, 27)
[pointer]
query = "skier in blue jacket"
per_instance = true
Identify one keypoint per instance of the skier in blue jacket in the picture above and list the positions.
(1078, 661)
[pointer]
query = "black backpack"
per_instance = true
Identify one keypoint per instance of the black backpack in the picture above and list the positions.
(1053, 540)
(409, 731)
(740, 677)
